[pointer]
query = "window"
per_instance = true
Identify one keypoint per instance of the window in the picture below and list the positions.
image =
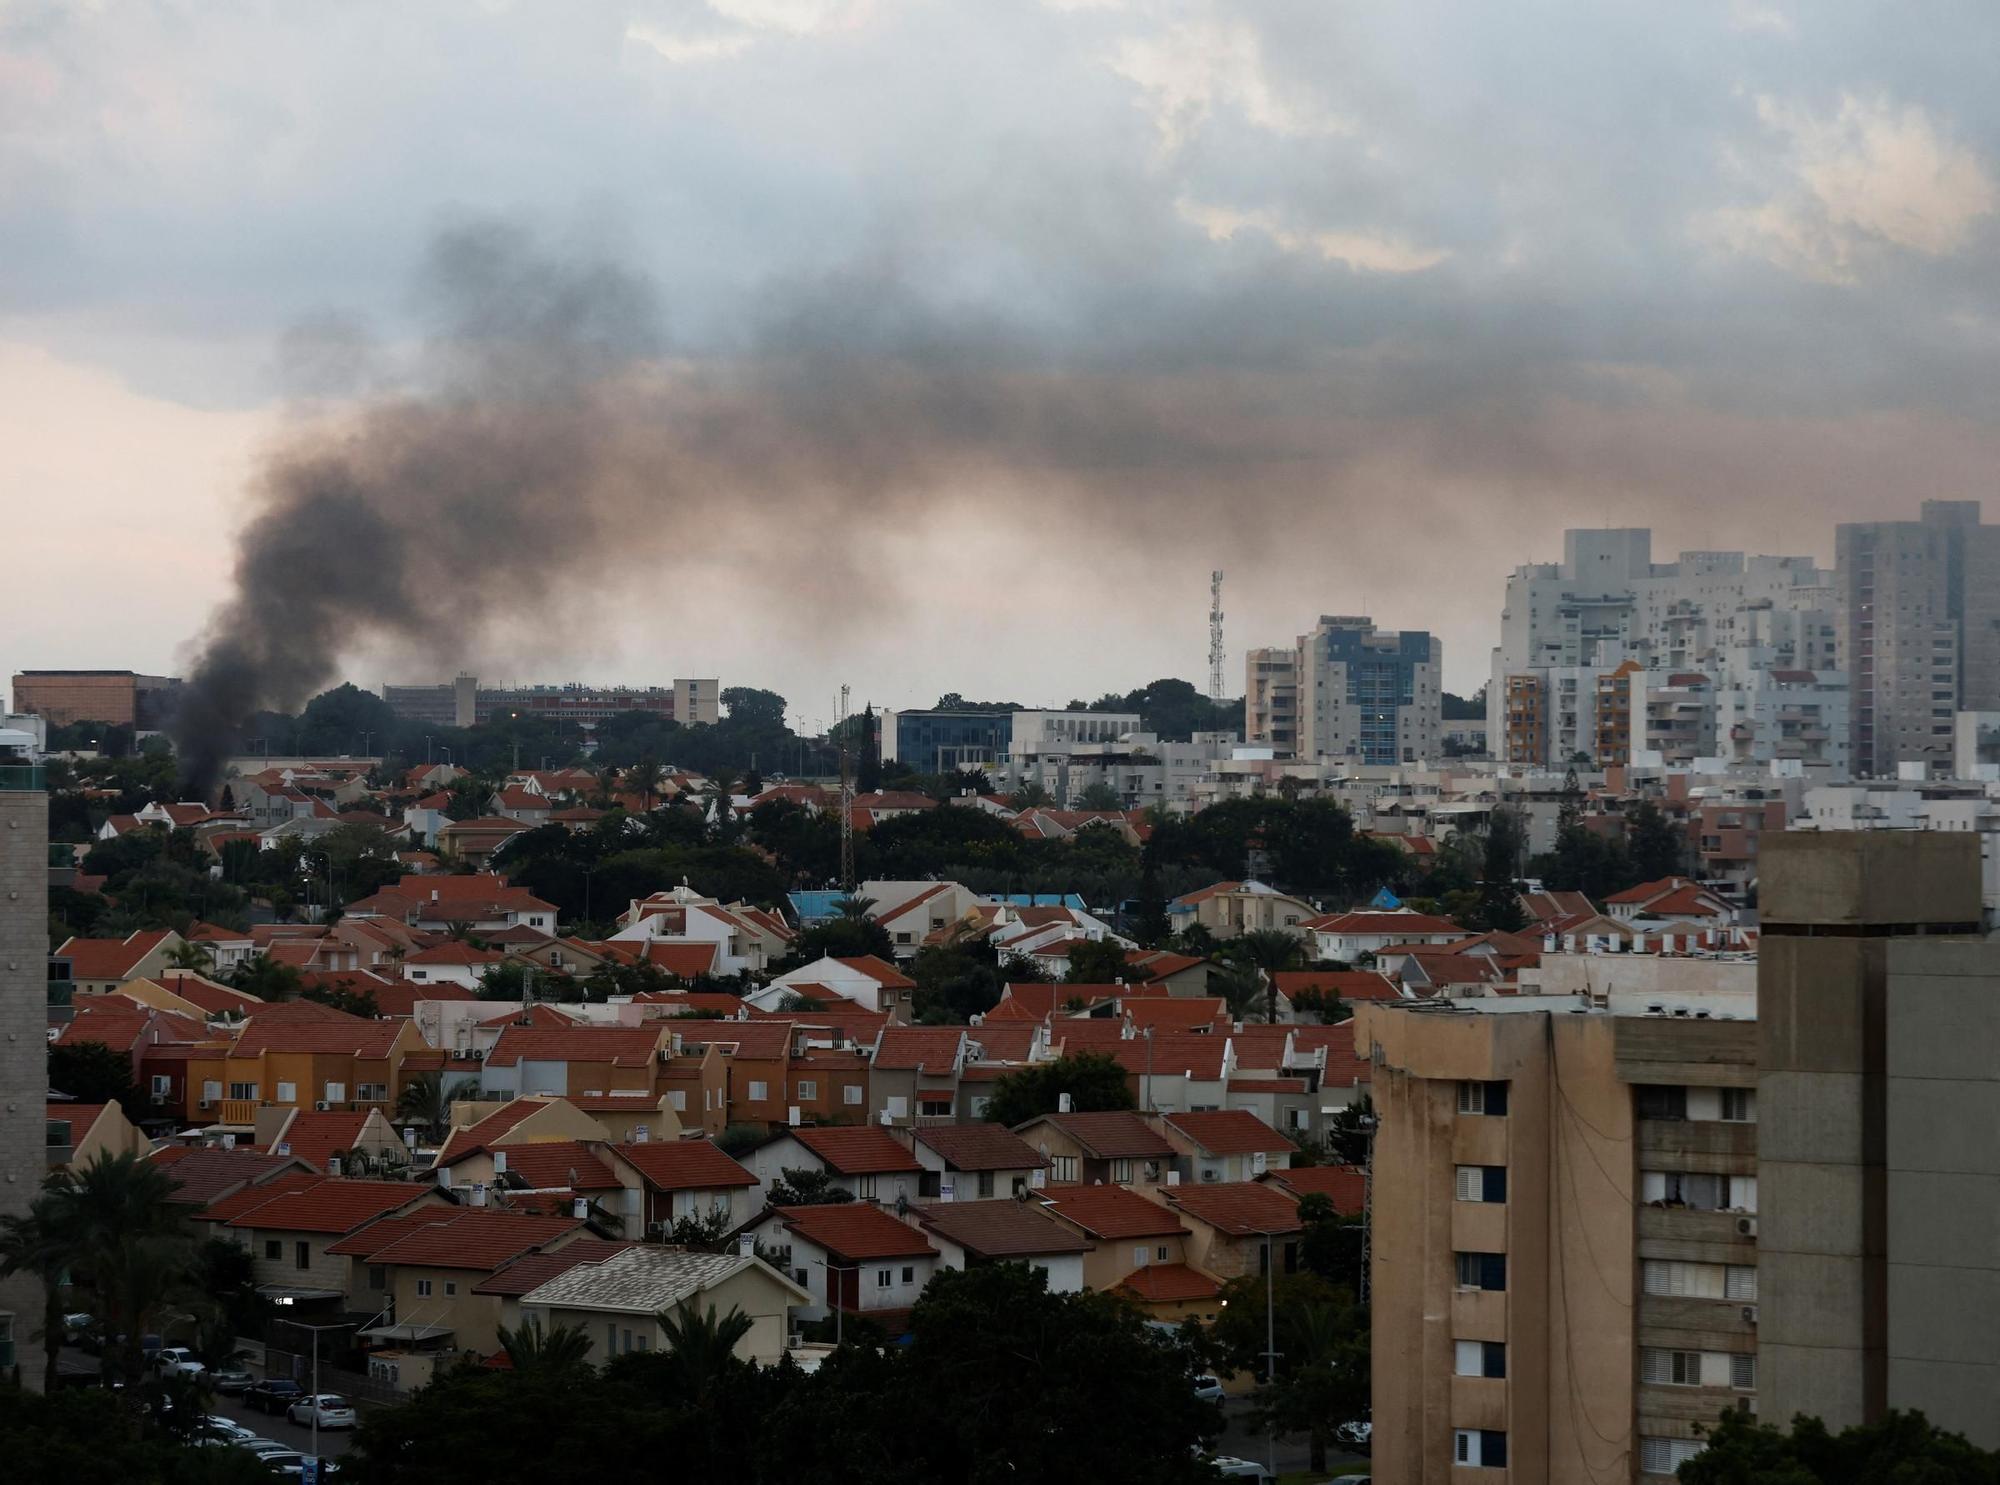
(1742, 1193)
(930, 1183)
(1062, 1167)
(1670, 1368)
(1665, 1456)
(1740, 1281)
(1483, 1098)
(424, 1292)
(759, 1090)
(243, 1090)
(1743, 1372)
(1739, 1105)
(677, 1100)
(1160, 1253)
(985, 1184)
(897, 1107)
(1482, 1183)
(288, 1093)
(808, 1089)
(884, 1277)
(302, 1254)
(274, 1250)
(1139, 1257)
(639, 1342)
(1657, 1101)
(372, 1093)
(1121, 1172)
(1485, 1448)
(450, 1288)
(1479, 1358)
(1482, 1270)
(1695, 1190)
(851, 1094)
(611, 1339)
(378, 1276)
(909, 1274)
(211, 1091)
(865, 1188)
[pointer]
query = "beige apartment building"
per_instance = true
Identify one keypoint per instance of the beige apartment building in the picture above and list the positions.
(1564, 1240)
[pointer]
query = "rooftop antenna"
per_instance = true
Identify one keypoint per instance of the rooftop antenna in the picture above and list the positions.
(1215, 636)
(846, 802)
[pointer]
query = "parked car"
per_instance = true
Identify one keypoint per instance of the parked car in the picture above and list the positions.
(327, 1469)
(1353, 1437)
(1232, 1468)
(273, 1394)
(333, 1411)
(177, 1361)
(231, 1380)
(76, 1327)
(1208, 1389)
(283, 1461)
(229, 1428)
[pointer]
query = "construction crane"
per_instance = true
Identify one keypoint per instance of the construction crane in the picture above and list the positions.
(1215, 636)
(846, 801)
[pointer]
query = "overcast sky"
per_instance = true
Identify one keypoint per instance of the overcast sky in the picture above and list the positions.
(1362, 302)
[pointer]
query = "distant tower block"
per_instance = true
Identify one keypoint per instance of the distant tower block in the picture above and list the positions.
(1215, 636)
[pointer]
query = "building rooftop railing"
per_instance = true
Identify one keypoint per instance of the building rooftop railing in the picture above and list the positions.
(28, 777)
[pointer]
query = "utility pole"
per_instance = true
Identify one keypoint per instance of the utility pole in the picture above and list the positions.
(1215, 636)
(846, 802)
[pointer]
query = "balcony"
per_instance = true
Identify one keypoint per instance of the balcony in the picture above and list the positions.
(1678, 1139)
(1680, 1233)
(26, 777)
(241, 1111)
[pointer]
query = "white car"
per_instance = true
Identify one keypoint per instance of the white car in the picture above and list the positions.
(334, 1412)
(228, 1430)
(1232, 1468)
(177, 1361)
(1208, 1389)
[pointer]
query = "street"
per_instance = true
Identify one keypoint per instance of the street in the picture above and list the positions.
(1294, 1450)
(332, 1442)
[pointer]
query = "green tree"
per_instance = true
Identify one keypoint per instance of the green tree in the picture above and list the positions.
(1901, 1447)
(1658, 847)
(868, 769)
(1151, 925)
(711, 1231)
(91, 1072)
(1031, 795)
(426, 1102)
(956, 981)
(806, 1188)
(560, 1350)
(1093, 1081)
(268, 979)
(1098, 961)
(701, 1346)
(195, 957)
(343, 997)
(37, 1244)
(1099, 796)
(1267, 950)
(1322, 1376)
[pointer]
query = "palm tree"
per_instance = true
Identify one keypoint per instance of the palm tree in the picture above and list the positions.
(1267, 950)
(35, 1243)
(563, 1348)
(643, 778)
(855, 909)
(128, 1248)
(197, 958)
(703, 1348)
(426, 1103)
(1239, 985)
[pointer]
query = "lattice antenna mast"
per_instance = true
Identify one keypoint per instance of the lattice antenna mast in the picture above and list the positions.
(1215, 636)
(846, 800)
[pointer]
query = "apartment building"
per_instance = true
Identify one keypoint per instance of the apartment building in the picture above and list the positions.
(1877, 1094)
(1919, 631)
(1564, 1275)
(1349, 692)
(1572, 633)
(1271, 700)
(121, 698)
(463, 702)
(24, 959)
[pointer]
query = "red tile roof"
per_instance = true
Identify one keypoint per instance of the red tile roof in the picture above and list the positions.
(1113, 1134)
(1166, 1053)
(1230, 1132)
(80, 1116)
(1004, 1043)
(313, 1136)
(686, 960)
(472, 1238)
(332, 1204)
(354, 1037)
(1158, 964)
(935, 1050)
(119, 1023)
(1237, 1208)
(472, 1138)
(855, 1231)
(1168, 1283)
(537, 1014)
(977, 1147)
(206, 1173)
(881, 971)
(532, 1270)
(111, 958)
(1000, 1228)
(1346, 1186)
(386, 1230)
(556, 1165)
(856, 1150)
(622, 1046)
(1113, 1213)
(1349, 984)
(1402, 925)
(1193, 1013)
(455, 953)
(685, 1165)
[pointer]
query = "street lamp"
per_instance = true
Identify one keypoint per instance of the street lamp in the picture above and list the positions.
(1270, 1354)
(314, 1330)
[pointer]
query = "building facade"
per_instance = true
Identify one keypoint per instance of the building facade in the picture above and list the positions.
(940, 741)
(1271, 700)
(463, 702)
(24, 993)
(1348, 692)
(1564, 1270)
(122, 698)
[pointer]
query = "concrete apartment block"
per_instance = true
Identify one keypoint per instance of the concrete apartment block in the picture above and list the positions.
(1843, 913)
(24, 955)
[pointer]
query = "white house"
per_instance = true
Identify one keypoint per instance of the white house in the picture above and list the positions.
(855, 1258)
(1347, 936)
(867, 981)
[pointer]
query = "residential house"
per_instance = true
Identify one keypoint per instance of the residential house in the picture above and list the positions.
(203, 1174)
(1030, 931)
(435, 903)
(574, 1059)
(476, 840)
(969, 1234)
(1114, 1147)
(853, 1258)
(1308, 990)
(192, 994)
(100, 965)
(827, 1086)
(1236, 1227)
(1668, 900)
(452, 963)
(666, 1180)
(1345, 1186)
(863, 1159)
(1180, 974)
(466, 1158)
(971, 1162)
(131, 1028)
(531, 1270)
(626, 1117)
(339, 1062)
(430, 1269)
(618, 1301)
(1346, 937)
(743, 939)
(1225, 1145)
(1137, 1247)
(914, 1072)
(1171, 1070)
(865, 980)
(1230, 909)
(288, 1227)
(350, 1142)
(227, 947)
(910, 912)
(81, 1133)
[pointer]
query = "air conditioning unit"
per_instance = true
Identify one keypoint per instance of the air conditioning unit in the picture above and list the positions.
(1746, 1227)
(322, 1107)
(206, 1103)
(658, 1231)
(1749, 1314)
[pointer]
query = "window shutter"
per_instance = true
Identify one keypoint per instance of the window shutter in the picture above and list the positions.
(1653, 1365)
(1655, 1456)
(1740, 1282)
(1468, 1183)
(1742, 1372)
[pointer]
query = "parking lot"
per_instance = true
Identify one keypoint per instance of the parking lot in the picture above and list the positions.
(333, 1443)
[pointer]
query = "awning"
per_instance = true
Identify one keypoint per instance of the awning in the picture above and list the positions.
(411, 1333)
(285, 1294)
